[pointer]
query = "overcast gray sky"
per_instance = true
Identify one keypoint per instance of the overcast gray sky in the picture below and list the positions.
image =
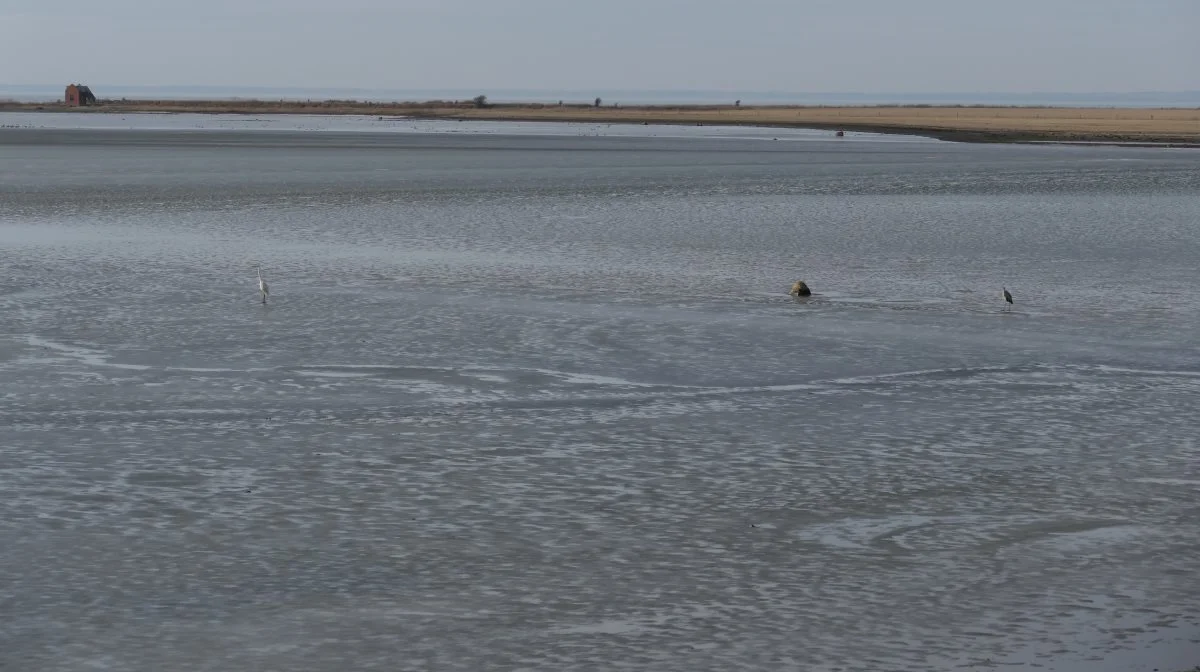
(748, 45)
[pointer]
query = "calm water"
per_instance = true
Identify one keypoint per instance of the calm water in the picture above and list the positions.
(535, 397)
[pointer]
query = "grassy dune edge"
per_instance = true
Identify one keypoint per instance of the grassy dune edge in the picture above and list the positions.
(1158, 126)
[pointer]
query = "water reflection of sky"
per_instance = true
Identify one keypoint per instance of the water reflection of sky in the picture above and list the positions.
(375, 124)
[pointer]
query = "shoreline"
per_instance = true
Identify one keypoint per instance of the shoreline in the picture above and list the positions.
(935, 133)
(1139, 127)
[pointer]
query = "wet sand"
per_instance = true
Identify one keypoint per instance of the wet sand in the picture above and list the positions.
(1156, 126)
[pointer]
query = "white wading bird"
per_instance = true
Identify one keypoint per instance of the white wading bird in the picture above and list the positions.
(262, 285)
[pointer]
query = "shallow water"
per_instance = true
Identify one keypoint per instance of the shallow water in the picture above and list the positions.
(532, 399)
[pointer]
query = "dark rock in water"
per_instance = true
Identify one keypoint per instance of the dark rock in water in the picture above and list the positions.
(801, 289)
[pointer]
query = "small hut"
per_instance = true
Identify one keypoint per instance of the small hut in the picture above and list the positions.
(78, 95)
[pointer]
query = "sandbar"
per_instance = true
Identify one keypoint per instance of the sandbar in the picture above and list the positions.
(1133, 126)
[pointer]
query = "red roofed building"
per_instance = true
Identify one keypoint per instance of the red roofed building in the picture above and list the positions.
(78, 95)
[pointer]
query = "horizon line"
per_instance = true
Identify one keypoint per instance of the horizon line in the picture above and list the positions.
(590, 91)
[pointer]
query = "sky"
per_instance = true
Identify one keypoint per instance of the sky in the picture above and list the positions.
(878, 46)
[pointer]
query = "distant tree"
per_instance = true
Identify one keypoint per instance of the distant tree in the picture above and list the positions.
(480, 101)
(597, 103)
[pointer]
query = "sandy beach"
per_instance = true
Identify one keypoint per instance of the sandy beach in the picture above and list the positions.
(1158, 126)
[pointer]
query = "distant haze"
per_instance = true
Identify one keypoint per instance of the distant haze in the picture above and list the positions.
(534, 48)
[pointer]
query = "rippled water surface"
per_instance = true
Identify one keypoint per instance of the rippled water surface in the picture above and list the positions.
(535, 397)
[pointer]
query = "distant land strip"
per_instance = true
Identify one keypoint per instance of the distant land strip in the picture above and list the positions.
(966, 123)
